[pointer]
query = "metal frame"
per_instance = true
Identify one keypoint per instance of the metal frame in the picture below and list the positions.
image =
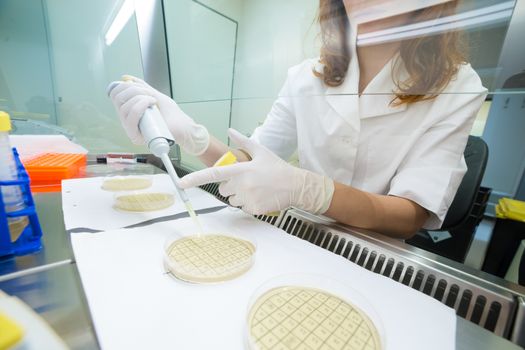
(511, 57)
(510, 63)
(152, 37)
(151, 29)
(518, 334)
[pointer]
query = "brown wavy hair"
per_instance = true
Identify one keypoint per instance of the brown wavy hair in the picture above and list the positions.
(431, 61)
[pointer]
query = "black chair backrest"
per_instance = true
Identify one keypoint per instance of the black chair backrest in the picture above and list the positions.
(476, 155)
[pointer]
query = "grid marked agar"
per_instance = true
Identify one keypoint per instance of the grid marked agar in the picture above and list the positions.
(144, 201)
(209, 258)
(126, 184)
(305, 318)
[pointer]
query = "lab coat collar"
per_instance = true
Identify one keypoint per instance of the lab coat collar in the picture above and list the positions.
(377, 97)
(344, 98)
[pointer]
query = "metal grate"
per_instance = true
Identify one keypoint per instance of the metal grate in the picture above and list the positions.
(482, 303)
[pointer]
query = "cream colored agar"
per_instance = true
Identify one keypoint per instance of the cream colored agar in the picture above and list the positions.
(306, 318)
(209, 258)
(126, 184)
(144, 201)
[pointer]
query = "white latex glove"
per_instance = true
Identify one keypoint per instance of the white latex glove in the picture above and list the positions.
(266, 183)
(131, 98)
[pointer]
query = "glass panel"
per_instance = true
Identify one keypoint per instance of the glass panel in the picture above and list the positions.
(201, 69)
(26, 89)
(474, 30)
(57, 60)
(85, 61)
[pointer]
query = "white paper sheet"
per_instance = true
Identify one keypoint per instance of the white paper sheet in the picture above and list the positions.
(86, 205)
(136, 305)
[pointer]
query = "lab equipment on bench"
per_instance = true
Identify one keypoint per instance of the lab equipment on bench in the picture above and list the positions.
(126, 183)
(11, 334)
(143, 201)
(209, 258)
(20, 231)
(21, 327)
(508, 208)
(12, 195)
(158, 138)
(49, 169)
(49, 159)
(322, 310)
(132, 194)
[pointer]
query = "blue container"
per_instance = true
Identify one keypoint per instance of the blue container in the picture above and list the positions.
(30, 240)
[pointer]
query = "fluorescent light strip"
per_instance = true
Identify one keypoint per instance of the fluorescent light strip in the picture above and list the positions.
(488, 15)
(469, 23)
(509, 5)
(124, 14)
(373, 10)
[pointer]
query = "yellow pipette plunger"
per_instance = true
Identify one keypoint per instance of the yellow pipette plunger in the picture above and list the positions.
(229, 158)
(159, 139)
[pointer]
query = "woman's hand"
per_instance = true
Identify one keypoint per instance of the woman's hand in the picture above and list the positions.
(133, 96)
(266, 183)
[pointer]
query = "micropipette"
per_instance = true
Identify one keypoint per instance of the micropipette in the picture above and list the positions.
(159, 139)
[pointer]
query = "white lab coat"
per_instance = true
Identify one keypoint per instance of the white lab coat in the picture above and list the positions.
(414, 151)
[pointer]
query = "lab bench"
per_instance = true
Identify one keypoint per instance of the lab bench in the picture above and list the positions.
(49, 282)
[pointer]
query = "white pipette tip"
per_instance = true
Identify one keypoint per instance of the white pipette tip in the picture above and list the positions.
(182, 194)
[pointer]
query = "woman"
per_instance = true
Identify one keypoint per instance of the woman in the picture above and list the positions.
(380, 131)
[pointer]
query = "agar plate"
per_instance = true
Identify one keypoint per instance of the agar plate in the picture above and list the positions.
(209, 258)
(141, 202)
(299, 316)
(118, 183)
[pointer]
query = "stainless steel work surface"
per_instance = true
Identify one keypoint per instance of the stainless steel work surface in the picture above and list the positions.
(56, 246)
(471, 336)
(56, 294)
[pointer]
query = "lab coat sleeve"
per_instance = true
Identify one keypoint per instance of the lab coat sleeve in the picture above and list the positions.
(279, 132)
(432, 171)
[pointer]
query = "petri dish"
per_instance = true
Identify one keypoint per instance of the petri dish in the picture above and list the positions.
(97, 170)
(209, 258)
(126, 183)
(142, 202)
(311, 312)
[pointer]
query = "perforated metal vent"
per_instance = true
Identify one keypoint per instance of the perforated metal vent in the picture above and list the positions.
(481, 304)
